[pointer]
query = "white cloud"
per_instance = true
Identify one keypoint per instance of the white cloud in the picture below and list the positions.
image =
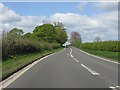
(7, 15)
(9, 19)
(107, 5)
(103, 25)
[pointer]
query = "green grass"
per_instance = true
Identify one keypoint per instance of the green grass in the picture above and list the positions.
(106, 54)
(18, 61)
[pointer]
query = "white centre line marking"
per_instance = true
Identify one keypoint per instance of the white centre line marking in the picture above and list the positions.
(70, 51)
(75, 59)
(72, 55)
(91, 71)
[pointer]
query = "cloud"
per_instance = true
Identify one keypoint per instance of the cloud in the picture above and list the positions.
(9, 19)
(107, 5)
(7, 15)
(104, 25)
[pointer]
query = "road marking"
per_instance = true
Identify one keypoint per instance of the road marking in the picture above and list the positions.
(115, 87)
(99, 57)
(118, 87)
(75, 59)
(112, 87)
(91, 71)
(16, 75)
(70, 51)
(72, 55)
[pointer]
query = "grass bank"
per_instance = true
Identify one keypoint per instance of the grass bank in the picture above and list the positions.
(16, 62)
(105, 54)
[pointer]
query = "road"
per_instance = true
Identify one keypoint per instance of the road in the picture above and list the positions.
(70, 68)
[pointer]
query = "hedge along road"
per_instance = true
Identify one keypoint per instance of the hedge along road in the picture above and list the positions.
(70, 68)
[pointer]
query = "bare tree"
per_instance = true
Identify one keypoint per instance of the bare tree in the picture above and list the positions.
(97, 39)
(75, 36)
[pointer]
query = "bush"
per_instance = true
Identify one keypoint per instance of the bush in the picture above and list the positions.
(20, 45)
(102, 46)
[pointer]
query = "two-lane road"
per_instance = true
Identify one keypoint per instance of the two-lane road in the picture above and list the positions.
(70, 68)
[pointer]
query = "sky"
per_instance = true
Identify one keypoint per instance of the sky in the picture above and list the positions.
(90, 19)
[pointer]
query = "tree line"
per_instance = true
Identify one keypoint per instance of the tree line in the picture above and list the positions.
(44, 37)
(98, 44)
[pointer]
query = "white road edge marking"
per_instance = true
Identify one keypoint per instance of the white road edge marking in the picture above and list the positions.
(13, 77)
(115, 87)
(99, 57)
(91, 71)
(118, 87)
(112, 87)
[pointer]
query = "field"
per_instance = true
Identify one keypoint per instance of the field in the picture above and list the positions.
(106, 49)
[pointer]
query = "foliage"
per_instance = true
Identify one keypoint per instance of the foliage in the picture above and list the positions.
(28, 35)
(44, 37)
(102, 46)
(76, 43)
(16, 31)
(45, 32)
(50, 33)
(61, 36)
(15, 44)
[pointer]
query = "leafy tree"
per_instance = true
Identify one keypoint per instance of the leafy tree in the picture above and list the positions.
(60, 25)
(28, 35)
(45, 32)
(61, 36)
(16, 31)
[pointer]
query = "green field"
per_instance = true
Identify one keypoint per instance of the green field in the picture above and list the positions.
(106, 49)
(106, 54)
(16, 62)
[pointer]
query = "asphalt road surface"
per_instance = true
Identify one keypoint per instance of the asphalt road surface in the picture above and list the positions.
(69, 68)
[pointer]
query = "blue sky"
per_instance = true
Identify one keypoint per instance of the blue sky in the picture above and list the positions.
(90, 19)
(49, 8)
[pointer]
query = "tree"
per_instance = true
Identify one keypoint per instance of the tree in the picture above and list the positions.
(60, 25)
(61, 36)
(97, 39)
(75, 36)
(28, 35)
(45, 32)
(16, 31)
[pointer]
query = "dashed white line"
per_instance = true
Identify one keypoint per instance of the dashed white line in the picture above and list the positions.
(70, 51)
(72, 55)
(75, 59)
(91, 71)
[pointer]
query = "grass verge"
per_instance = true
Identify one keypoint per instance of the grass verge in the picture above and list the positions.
(17, 62)
(106, 54)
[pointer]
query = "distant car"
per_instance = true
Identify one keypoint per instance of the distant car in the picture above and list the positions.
(67, 46)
